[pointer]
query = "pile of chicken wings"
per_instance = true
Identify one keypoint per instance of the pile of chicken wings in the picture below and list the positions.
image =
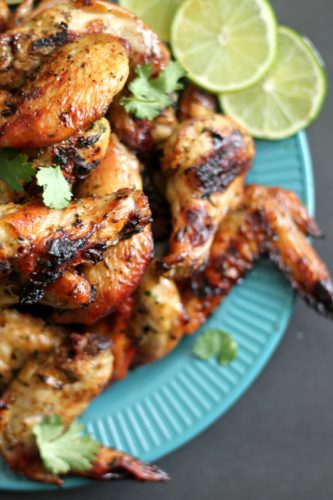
(160, 228)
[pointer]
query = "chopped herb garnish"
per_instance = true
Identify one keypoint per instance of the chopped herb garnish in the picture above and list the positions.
(15, 169)
(63, 450)
(149, 97)
(56, 190)
(216, 343)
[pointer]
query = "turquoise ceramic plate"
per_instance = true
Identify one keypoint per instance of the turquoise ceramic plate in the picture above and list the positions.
(160, 407)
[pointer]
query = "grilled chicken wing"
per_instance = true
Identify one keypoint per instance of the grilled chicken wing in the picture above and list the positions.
(37, 244)
(61, 383)
(100, 16)
(45, 112)
(158, 319)
(271, 221)
(285, 221)
(118, 274)
(235, 249)
(201, 160)
(4, 15)
(55, 23)
(21, 335)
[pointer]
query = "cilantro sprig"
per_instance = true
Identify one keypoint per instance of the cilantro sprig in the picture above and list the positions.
(63, 450)
(216, 343)
(15, 170)
(149, 97)
(56, 190)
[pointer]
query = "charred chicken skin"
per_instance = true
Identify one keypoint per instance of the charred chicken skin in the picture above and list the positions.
(119, 272)
(38, 244)
(201, 159)
(53, 24)
(43, 113)
(272, 221)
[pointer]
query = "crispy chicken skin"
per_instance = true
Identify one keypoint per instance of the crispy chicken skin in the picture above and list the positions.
(38, 244)
(234, 251)
(201, 160)
(4, 15)
(271, 221)
(118, 274)
(62, 383)
(195, 103)
(158, 319)
(285, 224)
(100, 16)
(46, 113)
(21, 335)
(78, 155)
(120, 168)
(55, 23)
(141, 136)
(71, 291)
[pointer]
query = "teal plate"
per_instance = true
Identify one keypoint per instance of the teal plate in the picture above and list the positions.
(162, 406)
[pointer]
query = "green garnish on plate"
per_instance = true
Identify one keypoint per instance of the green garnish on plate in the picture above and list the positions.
(63, 450)
(216, 343)
(149, 97)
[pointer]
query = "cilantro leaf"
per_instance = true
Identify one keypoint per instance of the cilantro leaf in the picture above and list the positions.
(15, 169)
(150, 96)
(216, 343)
(168, 80)
(56, 190)
(64, 450)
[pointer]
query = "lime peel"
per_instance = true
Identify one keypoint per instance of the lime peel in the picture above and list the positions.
(224, 46)
(289, 98)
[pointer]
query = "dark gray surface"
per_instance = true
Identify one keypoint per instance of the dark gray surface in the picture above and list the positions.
(276, 443)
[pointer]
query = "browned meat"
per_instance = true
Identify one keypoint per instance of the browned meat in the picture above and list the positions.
(119, 272)
(54, 23)
(4, 15)
(158, 319)
(195, 103)
(201, 160)
(78, 155)
(62, 383)
(141, 136)
(271, 221)
(43, 113)
(37, 244)
(71, 291)
(115, 327)
(21, 335)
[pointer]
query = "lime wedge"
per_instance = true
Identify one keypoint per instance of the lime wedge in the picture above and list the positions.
(289, 98)
(157, 13)
(225, 45)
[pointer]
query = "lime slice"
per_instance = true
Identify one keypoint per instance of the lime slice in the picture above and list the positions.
(289, 98)
(157, 13)
(225, 45)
